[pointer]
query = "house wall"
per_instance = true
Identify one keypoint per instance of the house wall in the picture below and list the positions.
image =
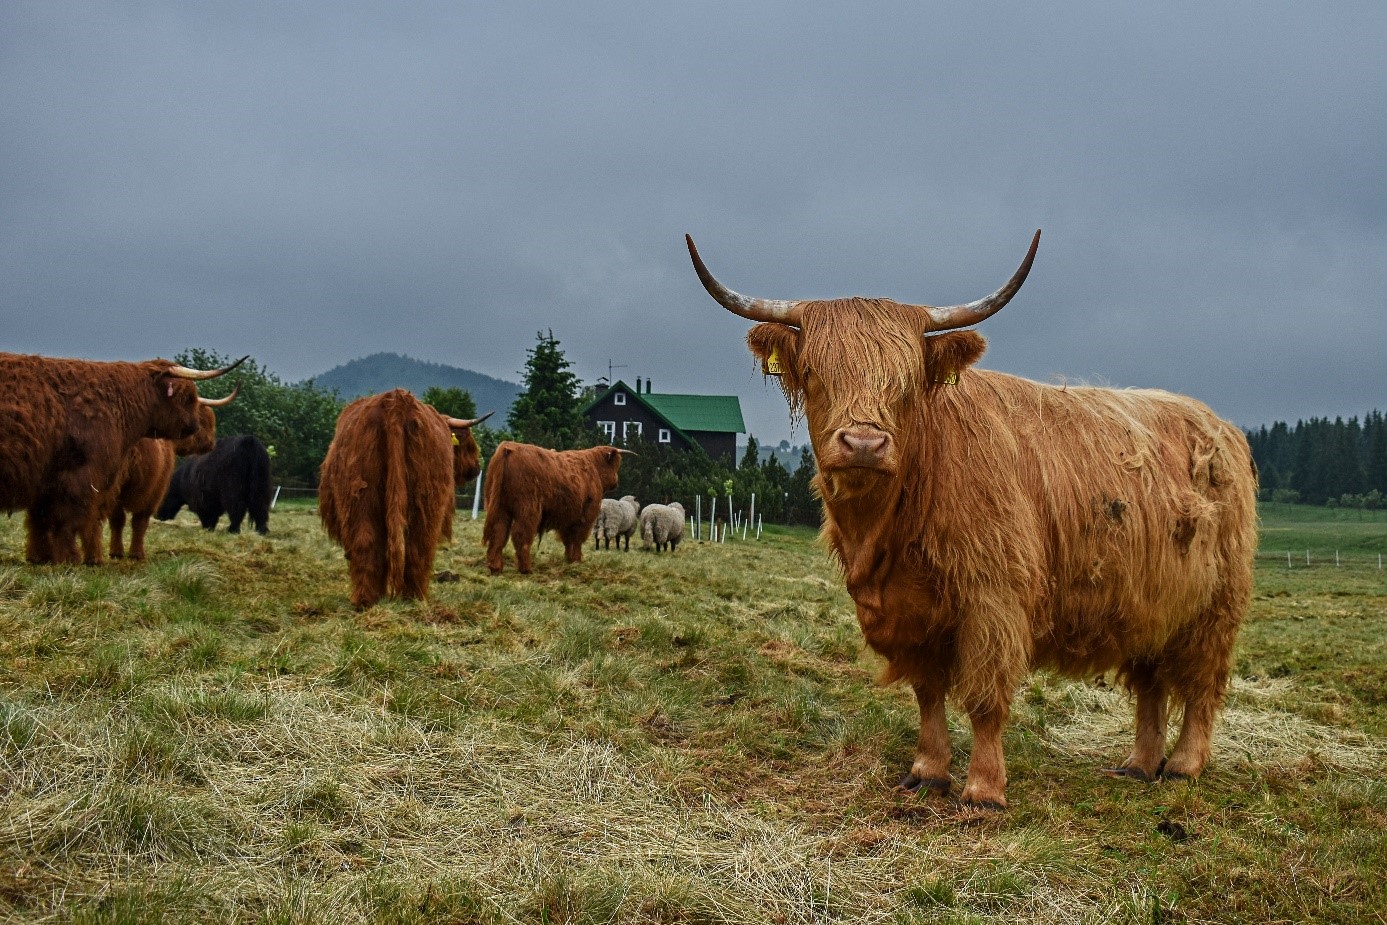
(608, 410)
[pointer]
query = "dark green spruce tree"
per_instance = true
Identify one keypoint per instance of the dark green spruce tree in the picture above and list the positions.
(547, 412)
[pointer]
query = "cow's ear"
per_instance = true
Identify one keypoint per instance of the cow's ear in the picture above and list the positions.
(947, 355)
(777, 347)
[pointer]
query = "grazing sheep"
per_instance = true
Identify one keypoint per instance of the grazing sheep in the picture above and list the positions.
(663, 525)
(616, 519)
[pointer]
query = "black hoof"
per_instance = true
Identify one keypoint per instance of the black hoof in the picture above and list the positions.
(990, 806)
(1175, 775)
(1129, 774)
(913, 784)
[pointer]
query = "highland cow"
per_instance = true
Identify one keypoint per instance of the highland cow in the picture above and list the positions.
(140, 486)
(388, 491)
(66, 427)
(233, 479)
(530, 490)
(987, 525)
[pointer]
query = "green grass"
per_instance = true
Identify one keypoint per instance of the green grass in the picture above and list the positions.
(217, 736)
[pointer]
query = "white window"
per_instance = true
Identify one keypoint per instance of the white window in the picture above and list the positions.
(630, 428)
(619, 398)
(664, 435)
(608, 428)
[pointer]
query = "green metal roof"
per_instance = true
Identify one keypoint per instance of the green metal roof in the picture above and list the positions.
(718, 413)
(715, 413)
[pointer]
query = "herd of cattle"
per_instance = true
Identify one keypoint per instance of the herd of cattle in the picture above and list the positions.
(985, 524)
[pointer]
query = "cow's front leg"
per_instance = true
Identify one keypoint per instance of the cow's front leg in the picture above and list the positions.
(987, 771)
(933, 756)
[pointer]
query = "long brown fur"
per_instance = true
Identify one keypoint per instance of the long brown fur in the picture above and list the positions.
(65, 429)
(387, 492)
(138, 488)
(530, 489)
(1013, 525)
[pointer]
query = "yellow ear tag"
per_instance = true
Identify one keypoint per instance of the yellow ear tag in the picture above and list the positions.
(771, 365)
(950, 379)
(456, 441)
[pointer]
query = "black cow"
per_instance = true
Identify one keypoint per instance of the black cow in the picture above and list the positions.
(233, 479)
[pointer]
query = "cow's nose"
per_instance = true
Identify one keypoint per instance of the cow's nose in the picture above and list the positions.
(863, 444)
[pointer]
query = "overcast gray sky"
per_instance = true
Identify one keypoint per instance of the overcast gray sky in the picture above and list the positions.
(314, 182)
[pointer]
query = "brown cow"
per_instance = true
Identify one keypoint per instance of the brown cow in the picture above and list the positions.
(65, 428)
(140, 485)
(530, 489)
(987, 524)
(387, 491)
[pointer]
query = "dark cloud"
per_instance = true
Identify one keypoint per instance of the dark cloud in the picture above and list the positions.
(316, 183)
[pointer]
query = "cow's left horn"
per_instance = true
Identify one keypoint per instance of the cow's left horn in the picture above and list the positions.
(627, 452)
(460, 424)
(183, 372)
(220, 402)
(776, 310)
(959, 316)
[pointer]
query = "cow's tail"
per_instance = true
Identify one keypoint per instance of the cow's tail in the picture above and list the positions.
(396, 504)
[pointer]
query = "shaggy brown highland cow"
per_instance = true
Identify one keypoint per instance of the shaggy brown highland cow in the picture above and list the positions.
(66, 427)
(987, 525)
(530, 489)
(140, 485)
(387, 491)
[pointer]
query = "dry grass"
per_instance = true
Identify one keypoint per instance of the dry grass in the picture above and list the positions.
(217, 737)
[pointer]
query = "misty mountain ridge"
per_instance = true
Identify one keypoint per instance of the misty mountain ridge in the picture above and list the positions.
(381, 372)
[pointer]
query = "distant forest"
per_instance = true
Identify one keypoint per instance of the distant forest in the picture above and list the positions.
(1319, 461)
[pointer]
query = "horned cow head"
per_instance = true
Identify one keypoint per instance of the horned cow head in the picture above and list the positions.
(178, 409)
(852, 365)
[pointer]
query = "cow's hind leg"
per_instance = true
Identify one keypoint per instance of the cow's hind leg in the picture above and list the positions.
(419, 554)
(1198, 663)
(139, 525)
(933, 757)
(117, 525)
(366, 566)
(495, 531)
(573, 545)
(1153, 700)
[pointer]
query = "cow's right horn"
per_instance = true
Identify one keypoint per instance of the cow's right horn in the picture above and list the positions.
(460, 424)
(184, 372)
(220, 402)
(627, 452)
(774, 310)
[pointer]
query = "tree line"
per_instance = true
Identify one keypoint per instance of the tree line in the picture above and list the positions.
(1338, 463)
(296, 421)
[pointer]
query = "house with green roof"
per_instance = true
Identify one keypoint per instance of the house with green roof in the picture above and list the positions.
(678, 421)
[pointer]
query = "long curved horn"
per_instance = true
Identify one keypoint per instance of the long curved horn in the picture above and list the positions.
(776, 310)
(958, 316)
(460, 424)
(627, 452)
(183, 372)
(220, 402)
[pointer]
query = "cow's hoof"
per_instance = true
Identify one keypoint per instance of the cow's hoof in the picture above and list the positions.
(1175, 776)
(1134, 773)
(936, 785)
(991, 806)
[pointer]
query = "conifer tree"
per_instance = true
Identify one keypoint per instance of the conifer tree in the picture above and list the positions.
(547, 413)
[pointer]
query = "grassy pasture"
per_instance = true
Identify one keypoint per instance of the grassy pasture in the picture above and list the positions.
(217, 737)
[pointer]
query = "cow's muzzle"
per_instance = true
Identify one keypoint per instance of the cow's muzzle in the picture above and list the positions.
(862, 447)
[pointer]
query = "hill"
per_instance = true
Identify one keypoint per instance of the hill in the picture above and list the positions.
(381, 372)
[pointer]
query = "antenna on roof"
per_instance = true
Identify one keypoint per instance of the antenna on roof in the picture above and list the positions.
(611, 366)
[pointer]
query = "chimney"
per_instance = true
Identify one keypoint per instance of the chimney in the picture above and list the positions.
(648, 384)
(638, 385)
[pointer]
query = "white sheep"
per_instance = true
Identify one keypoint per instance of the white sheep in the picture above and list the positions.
(663, 525)
(616, 519)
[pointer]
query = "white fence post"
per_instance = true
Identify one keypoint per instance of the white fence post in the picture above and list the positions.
(476, 496)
